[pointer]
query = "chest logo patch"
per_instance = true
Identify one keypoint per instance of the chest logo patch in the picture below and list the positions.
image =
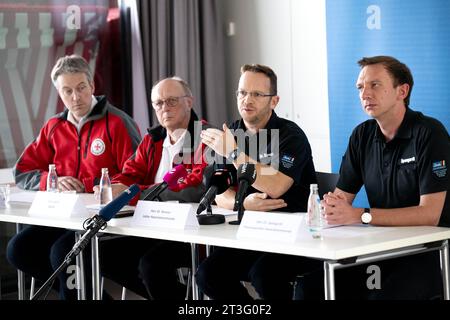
(439, 169)
(97, 147)
(408, 160)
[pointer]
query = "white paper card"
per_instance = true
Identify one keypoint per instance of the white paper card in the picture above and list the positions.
(274, 226)
(164, 214)
(58, 205)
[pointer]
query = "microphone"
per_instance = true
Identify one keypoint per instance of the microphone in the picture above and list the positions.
(246, 176)
(170, 180)
(93, 225)
(97, 222)
(218, 183)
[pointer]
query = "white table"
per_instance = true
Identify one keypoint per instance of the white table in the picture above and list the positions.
(340, 247)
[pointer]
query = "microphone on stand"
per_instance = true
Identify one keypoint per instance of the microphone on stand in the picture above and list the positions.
(93, 226)
(246, 176)
(170, 180)
(218, 183)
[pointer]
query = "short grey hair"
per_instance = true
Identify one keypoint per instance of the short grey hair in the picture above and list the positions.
(187, 90)
(71, 64)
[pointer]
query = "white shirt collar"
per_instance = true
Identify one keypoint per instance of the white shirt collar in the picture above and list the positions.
(79, 124)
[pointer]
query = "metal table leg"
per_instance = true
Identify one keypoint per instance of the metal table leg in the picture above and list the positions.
(194, 265)
(329, 280)
(443, 254)
(20, 274)
(95, 269)
(81, 281)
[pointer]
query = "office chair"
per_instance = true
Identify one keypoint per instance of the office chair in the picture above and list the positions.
(326, 183)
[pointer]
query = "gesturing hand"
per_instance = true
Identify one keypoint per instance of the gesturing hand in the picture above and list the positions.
(222, 142)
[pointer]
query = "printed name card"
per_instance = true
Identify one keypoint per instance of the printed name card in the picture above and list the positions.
(58, 205)
(270, 226)
(165, 215)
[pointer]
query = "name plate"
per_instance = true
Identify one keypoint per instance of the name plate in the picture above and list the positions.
(270, 226)
(58, 205)
(164, 214)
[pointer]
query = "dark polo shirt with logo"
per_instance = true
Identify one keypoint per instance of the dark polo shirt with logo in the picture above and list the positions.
(397, 173)
(284, 146)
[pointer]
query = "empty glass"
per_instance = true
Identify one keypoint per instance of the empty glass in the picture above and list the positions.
(4, 195)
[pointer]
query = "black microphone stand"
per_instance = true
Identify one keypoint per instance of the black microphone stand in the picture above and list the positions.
(93, 226)
(210, 218)
(240, 209)
(240, 215)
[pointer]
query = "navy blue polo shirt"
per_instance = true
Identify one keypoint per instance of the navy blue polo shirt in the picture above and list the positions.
(395, 174)
(285, 147)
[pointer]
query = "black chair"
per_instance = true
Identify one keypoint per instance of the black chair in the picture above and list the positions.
(327, 182)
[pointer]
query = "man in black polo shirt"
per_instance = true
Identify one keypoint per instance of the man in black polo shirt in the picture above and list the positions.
(401, 158)
(284, 172)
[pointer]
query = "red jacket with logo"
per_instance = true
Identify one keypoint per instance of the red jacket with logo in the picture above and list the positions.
(106, 140)
(141, 168)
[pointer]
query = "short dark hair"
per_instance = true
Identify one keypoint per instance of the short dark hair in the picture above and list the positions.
(399, 71)
(259, 68)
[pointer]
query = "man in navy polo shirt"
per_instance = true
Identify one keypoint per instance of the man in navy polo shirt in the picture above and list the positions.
(282, 156)
(401, 157)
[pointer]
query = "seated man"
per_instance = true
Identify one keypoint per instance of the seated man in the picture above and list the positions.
(89, 135)
(401, 157)
(148, 266)
(283, 185)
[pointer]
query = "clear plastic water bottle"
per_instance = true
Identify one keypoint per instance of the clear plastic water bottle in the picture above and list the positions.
(314, 214)
(52, 179)
(105, 188)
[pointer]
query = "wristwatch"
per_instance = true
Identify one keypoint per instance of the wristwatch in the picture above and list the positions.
(234, 154)
(366, 216)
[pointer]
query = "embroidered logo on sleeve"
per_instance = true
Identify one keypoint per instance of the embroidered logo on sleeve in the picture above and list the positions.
(287, 161)
(439, 169)
(97, 147)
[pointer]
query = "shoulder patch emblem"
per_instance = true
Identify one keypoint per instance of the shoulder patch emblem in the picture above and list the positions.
(439, 169)
(287, 161)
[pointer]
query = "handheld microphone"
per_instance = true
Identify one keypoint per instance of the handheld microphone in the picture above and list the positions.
(246, 176)
(97, 222)
(218, 183)
(170, 180)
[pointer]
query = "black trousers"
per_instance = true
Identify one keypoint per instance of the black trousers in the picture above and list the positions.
(272, 275)
(415, 277)
(146, 266)
(38, 251)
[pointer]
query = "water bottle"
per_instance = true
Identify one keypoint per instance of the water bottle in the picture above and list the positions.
(314, 214)
(105, 188)
(52, 179)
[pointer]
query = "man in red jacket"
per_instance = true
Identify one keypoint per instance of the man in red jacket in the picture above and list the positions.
(148, 266)
(89, 135)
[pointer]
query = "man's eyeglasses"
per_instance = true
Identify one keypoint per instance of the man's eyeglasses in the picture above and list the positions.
(241, 94)
(170, 102)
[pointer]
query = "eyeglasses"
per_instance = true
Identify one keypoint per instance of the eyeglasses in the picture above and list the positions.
(241, 94)
(170, 102)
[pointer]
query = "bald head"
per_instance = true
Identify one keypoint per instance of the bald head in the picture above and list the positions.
(172, 101)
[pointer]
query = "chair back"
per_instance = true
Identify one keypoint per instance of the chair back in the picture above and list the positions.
(327, 182)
